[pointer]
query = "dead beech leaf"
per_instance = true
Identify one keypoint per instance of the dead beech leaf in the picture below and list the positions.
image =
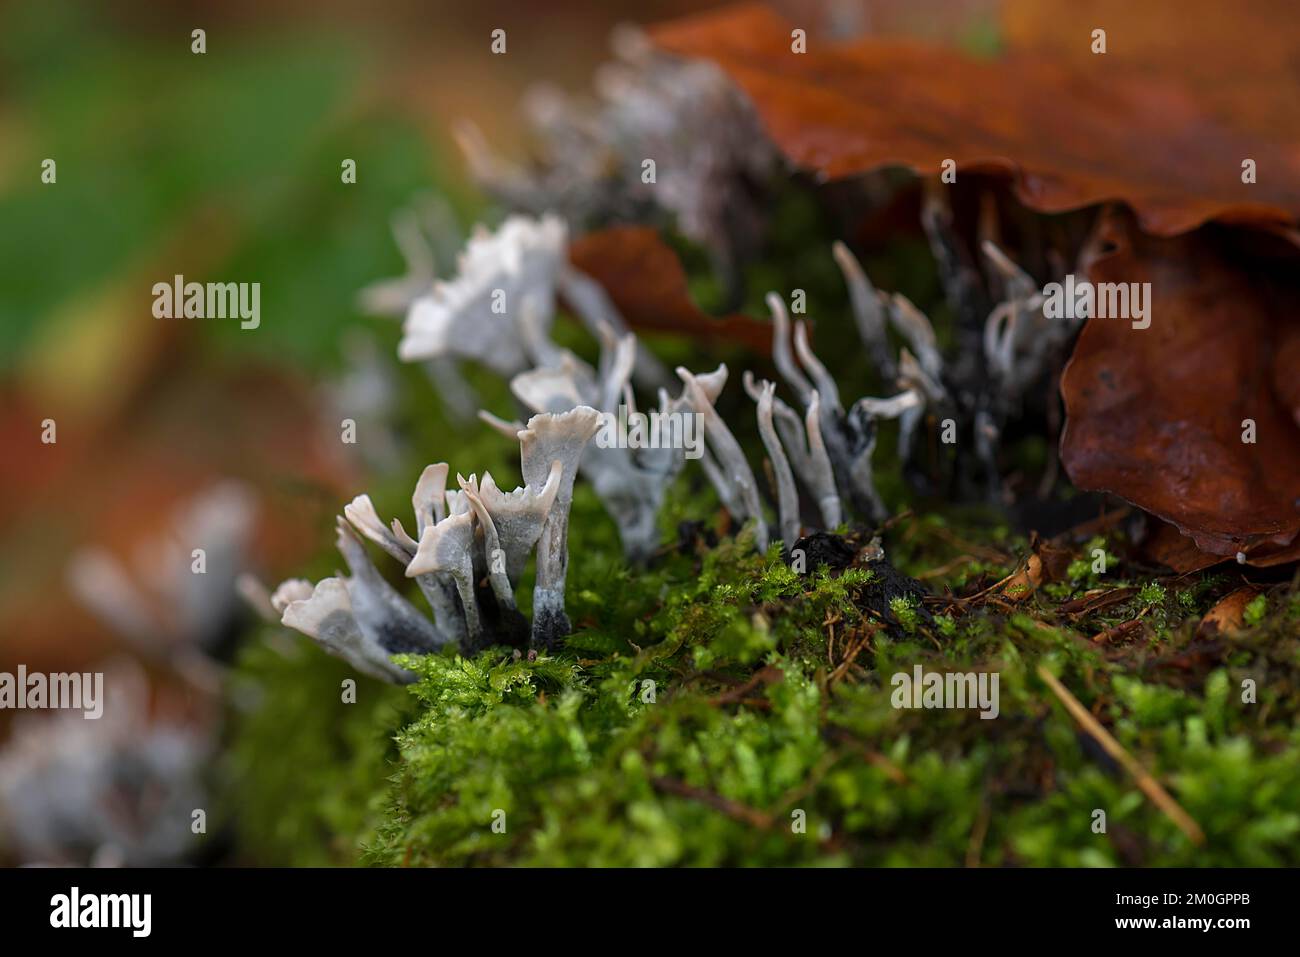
(1046, 564)
(1067, 137)
(1286, 369)
(1170, 547)
(1228, 614)
(1157, 415)
(1265, 556)
(647, 283)
(1242, 60)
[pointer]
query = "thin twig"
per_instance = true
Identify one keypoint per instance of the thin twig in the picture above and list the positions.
(872, 756)
(1149, 785)
(768, 675)
(850, 656)
(998, 584)
(733, 809)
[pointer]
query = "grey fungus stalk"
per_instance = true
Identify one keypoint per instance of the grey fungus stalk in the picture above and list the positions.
(787, 496)
(425, 233)
(325, 616)
(868, 311)
(427, 499)
(549, 438)
(470, 545)
(466, 537)
(915, 327)
(819, 474)
(826, 448)
(841, 443)
(631, 483)
(360, 618)
(919, 382)
(803, 445)
(785, 363)
(427, 503)
(117, 791)
(519, 517)
(734, 470)
(1007, 348)
(1020, 344)
(598, 314)
(446, 548)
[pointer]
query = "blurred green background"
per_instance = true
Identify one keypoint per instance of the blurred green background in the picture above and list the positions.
(223, 166)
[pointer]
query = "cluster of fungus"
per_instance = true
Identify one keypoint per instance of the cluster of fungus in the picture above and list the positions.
(498, 310)
(467, 556)
(471, 543)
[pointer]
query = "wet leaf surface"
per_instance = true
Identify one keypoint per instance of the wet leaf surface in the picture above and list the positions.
(647, 283)
(1229, 613)
(1157, 415)
(1068, 137)
(1241, 60)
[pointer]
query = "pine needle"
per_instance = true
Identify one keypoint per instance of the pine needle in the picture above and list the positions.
(1149, 785)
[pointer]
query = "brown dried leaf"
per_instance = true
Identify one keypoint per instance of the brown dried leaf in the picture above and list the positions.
(1156, 415)
(1229, 614)
(1241, 60)
(1067, 137)
(1046, 564)
(1171, 548)
(647, 283)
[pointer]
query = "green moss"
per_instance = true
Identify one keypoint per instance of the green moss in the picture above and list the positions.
(704, 713)
(1256, 610)
(305, 771)
(905, 611)
(719, 708)
(1152, 593)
